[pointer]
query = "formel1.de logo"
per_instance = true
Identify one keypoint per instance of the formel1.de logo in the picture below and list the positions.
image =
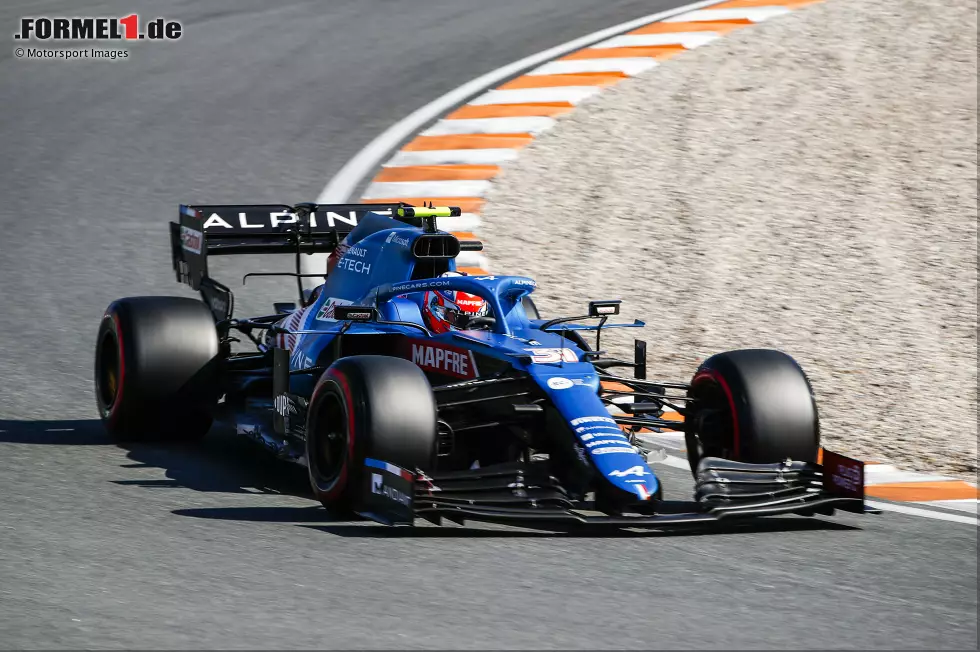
(44, 28)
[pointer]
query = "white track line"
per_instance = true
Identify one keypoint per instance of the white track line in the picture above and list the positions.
(345, 183)
(627, 65)
(453, 157)
(454, 188)
(888, 474)
(689, 40)
(754, 14)
(521, 125)
(971, 505)
(927, 513)
(570, 94)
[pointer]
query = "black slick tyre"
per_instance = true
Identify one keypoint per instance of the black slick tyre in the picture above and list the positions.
(155, 369)
(752, 405)
(367, 406)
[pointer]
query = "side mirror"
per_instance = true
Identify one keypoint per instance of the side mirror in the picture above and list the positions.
(354, 313)
(604, 308)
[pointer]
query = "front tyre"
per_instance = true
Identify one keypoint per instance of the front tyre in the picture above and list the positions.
(367, 406)
(752, 405)
(155, 368)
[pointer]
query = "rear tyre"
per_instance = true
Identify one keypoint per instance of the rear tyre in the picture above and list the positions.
(753, 405)
(156, 368)
(367, 406)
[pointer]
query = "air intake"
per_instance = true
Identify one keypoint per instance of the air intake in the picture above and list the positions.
(436, 245)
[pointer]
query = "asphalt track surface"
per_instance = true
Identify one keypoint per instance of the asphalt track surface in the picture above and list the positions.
(216, 546)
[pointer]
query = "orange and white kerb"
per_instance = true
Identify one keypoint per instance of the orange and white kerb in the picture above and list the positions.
(454, 161)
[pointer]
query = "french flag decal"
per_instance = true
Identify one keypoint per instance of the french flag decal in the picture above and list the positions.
(390, 468)
(641, 490)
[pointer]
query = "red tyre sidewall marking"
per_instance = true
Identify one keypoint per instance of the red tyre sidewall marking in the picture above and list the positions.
(117, 400)
(341, 482)
(712, 375)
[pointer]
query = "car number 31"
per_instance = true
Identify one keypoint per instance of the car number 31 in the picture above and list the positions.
(552, 356)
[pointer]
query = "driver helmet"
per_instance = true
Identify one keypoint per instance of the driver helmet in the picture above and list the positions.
(447, 310)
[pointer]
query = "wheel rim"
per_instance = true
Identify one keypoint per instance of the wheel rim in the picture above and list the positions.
(714, 418)
(331, 444)
(107, 377)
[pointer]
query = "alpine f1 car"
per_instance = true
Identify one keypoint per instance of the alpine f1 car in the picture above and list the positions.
(411, 390)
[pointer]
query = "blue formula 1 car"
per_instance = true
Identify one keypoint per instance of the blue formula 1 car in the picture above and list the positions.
(411, 390)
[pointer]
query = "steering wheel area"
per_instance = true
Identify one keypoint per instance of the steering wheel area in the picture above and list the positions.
(480, 323)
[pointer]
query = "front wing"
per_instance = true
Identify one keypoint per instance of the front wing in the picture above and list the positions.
(526, 495)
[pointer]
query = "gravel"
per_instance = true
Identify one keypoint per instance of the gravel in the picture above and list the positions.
(808, 184)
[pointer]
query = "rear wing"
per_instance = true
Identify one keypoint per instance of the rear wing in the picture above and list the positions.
(215, 230)
(212, 230)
